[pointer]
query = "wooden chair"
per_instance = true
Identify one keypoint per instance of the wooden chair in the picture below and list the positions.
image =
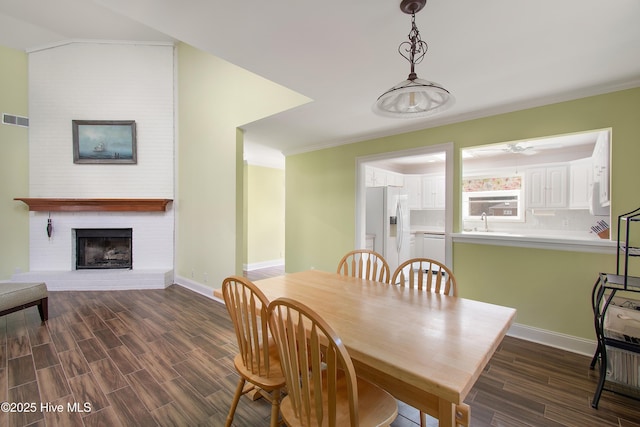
(257, 361)
(365, 264)
(322, 386)
(425, 273)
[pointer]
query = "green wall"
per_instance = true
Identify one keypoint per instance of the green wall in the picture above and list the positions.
(14, 157)
(214, 99)
(265, 214)
(550, 289)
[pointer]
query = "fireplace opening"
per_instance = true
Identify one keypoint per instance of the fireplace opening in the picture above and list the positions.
(103, 248)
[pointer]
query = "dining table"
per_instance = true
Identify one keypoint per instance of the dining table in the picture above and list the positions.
(426, 349)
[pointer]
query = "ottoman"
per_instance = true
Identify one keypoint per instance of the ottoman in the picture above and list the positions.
(16, 296)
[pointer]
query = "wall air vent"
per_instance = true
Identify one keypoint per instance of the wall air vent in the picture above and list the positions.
(10, 119)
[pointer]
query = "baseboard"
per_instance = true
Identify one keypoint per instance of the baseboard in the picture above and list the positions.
(263, 264)
(196, 287)
(553, 339)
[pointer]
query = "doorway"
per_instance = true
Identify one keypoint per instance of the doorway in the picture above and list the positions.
(412, 172)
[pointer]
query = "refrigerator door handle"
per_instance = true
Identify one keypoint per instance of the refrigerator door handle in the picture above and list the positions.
(399, 233)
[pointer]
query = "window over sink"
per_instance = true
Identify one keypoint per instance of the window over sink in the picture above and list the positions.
(501, 205)
(498, 197)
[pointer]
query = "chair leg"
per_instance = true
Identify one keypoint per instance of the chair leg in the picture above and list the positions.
(423, 419)
(234, 404)
(275, 407)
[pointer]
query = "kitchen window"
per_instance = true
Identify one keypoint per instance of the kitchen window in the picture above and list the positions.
(501, 205)
(494, 196)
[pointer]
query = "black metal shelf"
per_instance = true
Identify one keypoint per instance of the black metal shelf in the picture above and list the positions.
(602, 296)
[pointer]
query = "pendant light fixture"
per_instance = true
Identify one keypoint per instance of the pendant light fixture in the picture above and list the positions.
(414, 97)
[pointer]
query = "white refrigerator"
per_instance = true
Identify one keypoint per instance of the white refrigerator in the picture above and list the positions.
(387, 218)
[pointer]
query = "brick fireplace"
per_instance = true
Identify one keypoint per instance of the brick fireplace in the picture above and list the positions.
(84, 80)
(103, 248)
(129, 242)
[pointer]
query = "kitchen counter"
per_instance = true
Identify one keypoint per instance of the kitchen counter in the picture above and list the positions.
(577, 241)
(426, 230)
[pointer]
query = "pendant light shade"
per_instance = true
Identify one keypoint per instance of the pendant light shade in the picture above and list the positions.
(414, 97)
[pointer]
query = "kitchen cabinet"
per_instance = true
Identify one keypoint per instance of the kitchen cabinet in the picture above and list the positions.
(433, 247)
(428, 245)
(601, 167)
(433, 192)
(580, 183)
(412, 246)
(413, 187)
(547, 187)
(375, 177)
(370, 242)
(425, 191)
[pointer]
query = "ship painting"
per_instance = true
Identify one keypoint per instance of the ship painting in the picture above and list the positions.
(96, 141)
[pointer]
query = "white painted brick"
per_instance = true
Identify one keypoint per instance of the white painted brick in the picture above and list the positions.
(95, 81)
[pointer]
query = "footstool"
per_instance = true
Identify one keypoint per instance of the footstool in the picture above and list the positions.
(16, 296)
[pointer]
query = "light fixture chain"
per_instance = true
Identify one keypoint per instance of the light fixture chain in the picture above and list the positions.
(415, 49)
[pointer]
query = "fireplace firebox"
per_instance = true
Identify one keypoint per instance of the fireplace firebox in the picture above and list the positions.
(103, 248)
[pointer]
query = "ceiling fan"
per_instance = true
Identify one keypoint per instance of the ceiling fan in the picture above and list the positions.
(519, 149)
(497, 149)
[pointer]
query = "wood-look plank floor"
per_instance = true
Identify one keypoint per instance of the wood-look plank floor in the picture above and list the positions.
(164, 358)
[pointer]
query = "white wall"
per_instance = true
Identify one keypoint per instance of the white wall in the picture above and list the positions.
(98, 81)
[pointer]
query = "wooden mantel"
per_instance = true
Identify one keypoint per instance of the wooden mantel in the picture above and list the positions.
(95, 205)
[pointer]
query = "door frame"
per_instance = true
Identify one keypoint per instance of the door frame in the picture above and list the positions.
(361, 162)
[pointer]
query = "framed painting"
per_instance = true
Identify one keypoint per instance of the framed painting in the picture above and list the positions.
(104, 141)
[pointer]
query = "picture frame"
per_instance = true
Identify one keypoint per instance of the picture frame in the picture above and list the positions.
(104, 141)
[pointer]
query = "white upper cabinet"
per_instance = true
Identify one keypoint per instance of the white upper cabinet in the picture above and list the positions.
(425, 191)
(433, 192)
(601, 167)
(413, 186)
(580, 183)
(547, 187)
(375, 177)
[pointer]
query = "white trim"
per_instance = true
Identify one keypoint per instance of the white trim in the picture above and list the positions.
(91, 41)
(196, 287)
(266, 162)
(263, 264)
(553, 339)
(360, 219)
(539, 242)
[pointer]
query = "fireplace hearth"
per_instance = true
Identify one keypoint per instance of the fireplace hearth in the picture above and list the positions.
(103, 248)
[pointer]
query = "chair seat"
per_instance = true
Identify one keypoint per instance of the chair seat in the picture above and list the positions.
(376, 407)
(267, 380)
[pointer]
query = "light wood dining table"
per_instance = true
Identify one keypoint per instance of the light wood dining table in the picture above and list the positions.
(425, 349)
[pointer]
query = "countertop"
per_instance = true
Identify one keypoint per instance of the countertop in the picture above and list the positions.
(426, 230)
(578, 241)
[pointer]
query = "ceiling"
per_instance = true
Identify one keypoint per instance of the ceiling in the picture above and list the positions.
(560, 148)
(494, 56)
(552, 149)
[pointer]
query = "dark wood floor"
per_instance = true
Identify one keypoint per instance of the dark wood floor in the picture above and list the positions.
(164, 357)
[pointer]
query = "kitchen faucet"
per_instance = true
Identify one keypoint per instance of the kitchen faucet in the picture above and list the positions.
(483, 217)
